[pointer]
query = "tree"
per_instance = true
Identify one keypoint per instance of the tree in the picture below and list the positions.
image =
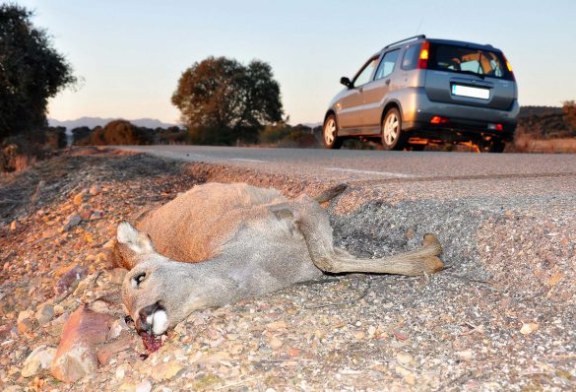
(31, 71)
(224, 102)
(569, 111)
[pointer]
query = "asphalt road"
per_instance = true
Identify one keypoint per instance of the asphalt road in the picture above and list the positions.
(537, 182)
(351, 164)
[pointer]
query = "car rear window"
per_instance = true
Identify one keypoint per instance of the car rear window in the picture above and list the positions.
(462, 59)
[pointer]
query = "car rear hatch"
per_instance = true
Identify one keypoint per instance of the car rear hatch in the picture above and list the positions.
(468, 74)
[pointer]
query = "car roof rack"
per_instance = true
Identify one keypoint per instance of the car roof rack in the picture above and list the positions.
(415, 37)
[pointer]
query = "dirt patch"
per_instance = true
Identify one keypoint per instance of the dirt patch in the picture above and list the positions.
(500, 318)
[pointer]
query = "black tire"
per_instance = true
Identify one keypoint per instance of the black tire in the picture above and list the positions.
(330, 133)
(391, 128)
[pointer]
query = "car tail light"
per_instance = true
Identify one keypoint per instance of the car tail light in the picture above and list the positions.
(509, 67)
(424, 55)
(439, 120)
(499, 127)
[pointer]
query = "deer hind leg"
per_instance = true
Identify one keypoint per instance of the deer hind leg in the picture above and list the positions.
(313, 223)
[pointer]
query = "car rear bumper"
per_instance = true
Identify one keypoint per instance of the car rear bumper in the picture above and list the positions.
(464, 120)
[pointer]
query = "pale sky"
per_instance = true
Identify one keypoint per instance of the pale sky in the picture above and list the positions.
(131, 53)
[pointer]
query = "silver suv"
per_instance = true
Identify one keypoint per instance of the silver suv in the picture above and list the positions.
(421, 90)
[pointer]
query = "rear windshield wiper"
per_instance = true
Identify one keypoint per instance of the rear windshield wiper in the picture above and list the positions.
(481, 76)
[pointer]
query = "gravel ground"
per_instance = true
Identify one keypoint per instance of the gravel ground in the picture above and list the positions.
(501, 317)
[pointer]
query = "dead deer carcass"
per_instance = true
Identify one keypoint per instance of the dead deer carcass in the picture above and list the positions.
(219, 243)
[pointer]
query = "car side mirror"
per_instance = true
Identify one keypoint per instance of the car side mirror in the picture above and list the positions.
(346, 82)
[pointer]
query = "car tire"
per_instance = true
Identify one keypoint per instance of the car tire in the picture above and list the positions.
(392, 136)
(330, 133)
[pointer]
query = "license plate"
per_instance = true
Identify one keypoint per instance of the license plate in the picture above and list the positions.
(469, 91)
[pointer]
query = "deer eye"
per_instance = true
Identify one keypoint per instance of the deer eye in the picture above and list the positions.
(137, 279)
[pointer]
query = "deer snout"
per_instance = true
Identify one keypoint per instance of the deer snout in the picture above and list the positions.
(152, 319)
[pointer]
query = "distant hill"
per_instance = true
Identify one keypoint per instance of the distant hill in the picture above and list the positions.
(92, 122)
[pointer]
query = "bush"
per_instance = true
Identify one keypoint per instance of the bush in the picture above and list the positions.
(272, 134)
(55, 138)
(81, 136)
(172, 135)
(122, 132)
(117, 132)
(17, 153)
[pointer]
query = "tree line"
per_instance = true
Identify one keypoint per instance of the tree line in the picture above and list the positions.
(122, 132)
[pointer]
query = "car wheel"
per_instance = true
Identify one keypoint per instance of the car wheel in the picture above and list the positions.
(330, 133)
(392, 136)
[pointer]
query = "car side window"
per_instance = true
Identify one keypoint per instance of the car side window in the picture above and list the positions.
(410, 59)
(364, 75)
(387, 64)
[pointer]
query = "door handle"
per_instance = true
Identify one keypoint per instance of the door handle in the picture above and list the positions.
(387, 82)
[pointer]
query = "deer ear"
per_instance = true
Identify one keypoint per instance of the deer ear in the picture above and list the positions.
(128, 236)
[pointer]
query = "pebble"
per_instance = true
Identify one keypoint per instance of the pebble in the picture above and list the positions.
(166, 370)
(76, 356)
(466, 355)
(118, 326)
(38, 360)
(529, 328)
(26, 321)
(70, 278)
(44, 313)
(120, 372)
(97, 215)
(144, 386)
(277, 326)
(56, 326)
(85, 211)
(71, 222)
(405, 359)
(275, 343)
(80, 198)
(95, 190)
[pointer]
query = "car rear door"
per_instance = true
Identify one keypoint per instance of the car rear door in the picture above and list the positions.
(471, 76)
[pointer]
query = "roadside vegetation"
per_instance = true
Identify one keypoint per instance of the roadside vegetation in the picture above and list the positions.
(546, 129)
(31, 71)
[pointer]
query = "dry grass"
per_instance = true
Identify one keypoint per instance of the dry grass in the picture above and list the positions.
(525, 143)
(22, 162)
